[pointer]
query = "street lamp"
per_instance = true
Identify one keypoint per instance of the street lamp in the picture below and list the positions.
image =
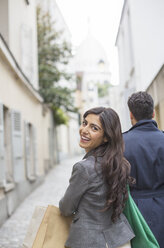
(101, 65)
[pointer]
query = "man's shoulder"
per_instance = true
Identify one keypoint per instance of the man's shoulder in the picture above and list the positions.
(132, 136)
(127, 133)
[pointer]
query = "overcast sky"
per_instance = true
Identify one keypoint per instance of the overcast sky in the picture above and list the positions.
(102, 16)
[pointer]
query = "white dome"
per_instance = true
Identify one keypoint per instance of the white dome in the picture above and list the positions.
(89, 54)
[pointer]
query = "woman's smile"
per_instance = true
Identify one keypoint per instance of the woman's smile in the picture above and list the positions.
(84, 139)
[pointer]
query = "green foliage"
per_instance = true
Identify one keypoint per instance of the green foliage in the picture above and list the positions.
(103, 89)
(52, 53)
(59, 116)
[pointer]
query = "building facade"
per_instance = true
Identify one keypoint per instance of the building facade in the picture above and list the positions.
(27, 148)
(141, 52)
(92, 71)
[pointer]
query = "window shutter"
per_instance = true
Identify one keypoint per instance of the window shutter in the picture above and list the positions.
(17, 146)
(30, 151)
(51, 146)
(27, 52)
(8, 146)
(34, 143)
(2, 158)
(27, 149)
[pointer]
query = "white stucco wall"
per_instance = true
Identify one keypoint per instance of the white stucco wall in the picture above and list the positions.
(140, 42)
(20, 32)
(140, 47)
(147, 21)
(16, 97)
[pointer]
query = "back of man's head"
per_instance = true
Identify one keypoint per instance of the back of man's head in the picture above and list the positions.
(141, 105)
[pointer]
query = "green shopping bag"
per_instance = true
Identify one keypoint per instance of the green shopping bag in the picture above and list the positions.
(144, 238)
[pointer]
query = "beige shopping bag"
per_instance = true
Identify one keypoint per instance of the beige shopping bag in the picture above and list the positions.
(47, 229)
(127, 245)
(53, 230)
(32, 230)
(57, 229)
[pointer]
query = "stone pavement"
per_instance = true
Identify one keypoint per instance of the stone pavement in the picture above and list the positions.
(13, 231)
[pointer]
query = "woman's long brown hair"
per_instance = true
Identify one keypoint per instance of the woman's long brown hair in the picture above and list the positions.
(116, 169)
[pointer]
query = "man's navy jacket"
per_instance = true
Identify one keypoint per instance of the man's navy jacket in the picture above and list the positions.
(144, 149)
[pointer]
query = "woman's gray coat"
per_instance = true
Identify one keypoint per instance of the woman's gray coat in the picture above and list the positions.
(86, 197)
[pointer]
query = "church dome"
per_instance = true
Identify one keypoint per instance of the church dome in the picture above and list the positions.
(89, 55)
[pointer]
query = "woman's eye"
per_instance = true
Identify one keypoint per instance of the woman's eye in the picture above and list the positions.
(84, 123)
(94, 128)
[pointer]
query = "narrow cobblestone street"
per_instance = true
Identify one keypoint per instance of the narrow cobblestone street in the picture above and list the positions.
(13, 231)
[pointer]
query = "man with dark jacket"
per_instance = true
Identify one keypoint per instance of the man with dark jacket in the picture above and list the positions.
(144, 149)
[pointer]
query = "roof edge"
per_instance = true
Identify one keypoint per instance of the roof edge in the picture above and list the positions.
(122, 13)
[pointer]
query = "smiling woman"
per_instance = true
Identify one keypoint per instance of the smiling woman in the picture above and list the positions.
(97, 189)
(91, 133)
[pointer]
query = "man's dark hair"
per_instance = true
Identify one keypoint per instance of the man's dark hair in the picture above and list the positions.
(141, 105)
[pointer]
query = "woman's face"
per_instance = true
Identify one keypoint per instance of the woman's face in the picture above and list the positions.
(91, 133)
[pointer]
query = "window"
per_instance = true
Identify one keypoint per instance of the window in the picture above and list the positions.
(27, 60)
(30, 151)
(8, 145)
